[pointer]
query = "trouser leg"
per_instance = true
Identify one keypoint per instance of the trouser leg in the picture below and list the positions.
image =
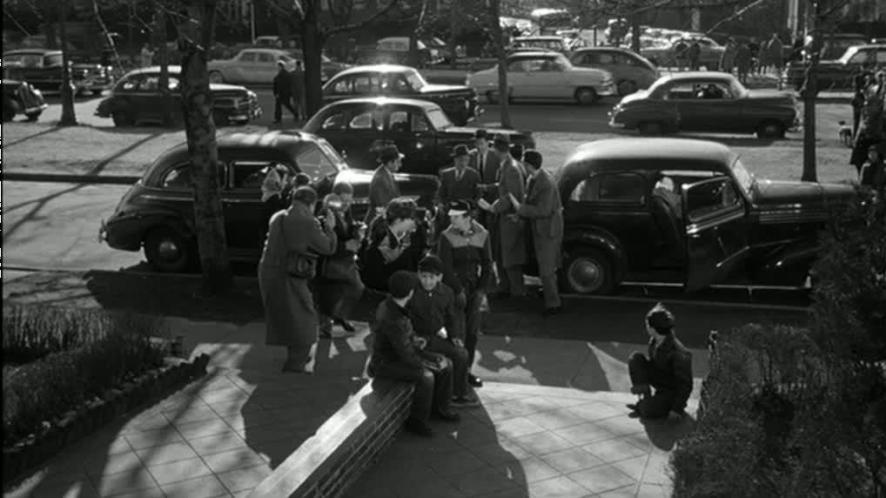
(638, 369)
(422, 378)
(459, 359)
(278, 109)
(442, 387)
(473, 318)
(549, 287)
(515, 280)
(501, 274)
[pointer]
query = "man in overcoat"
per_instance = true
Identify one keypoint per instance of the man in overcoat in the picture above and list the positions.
(459, 183)
(383, 187)
(544, 211)
(511, 228)
(282, 87)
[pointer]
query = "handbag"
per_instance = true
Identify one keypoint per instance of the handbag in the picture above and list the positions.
(337, 269)
(298, 265)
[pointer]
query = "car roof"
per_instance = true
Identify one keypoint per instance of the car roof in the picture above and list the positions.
(41, 51)
(695, 75)
(625, 153)
(376, 68)
(379, 101)
(534, 53)
(546, 38)
(869, 45)
(153, 69)
(272, 50)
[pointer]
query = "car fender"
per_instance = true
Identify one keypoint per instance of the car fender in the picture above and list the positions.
(601, 239)
(789, 265)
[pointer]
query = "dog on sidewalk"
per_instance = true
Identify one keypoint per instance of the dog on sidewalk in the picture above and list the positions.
(845, 134)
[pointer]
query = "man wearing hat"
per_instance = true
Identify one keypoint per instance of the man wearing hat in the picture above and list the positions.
(282, 92)
(383, 187)
(459, 182)
(485, 162)
(544, 211)
(511, 236)
(464, 249)
(667, 368)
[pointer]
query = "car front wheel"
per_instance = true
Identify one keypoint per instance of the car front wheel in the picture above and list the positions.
(589, 271)
(585, 96)
(770, 129)
(216, 77)
(122, 118)
(626, 87)
(167, 250)
(34, 116)
(650, 128)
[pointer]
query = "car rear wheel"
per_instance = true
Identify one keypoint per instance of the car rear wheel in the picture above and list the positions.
(589, 271)
(650, 128)
(770, 129)
(96, 93)
(9, 110)
(122, 118)
(626, 87)
(585, 96)
(216, 77)
(167, 250)
(34, 116)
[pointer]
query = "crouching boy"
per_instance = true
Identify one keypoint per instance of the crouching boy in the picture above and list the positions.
(398, 354)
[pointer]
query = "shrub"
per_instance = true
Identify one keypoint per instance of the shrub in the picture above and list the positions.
(790, 412)
(118, 349)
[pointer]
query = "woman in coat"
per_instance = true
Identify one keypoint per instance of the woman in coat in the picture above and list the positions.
(338, 286)
(289, 306)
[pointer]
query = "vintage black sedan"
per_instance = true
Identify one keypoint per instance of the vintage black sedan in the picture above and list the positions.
(459, 102)
(706, 101)
(19, 97)
(840, 73)
(136, 97)
(157, 213)
(420, 129)
(43, 69)
(722, 225)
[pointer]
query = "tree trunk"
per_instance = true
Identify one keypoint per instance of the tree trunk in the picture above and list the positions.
(635, 33)
(810, 93)
(312, 47)
(498, 39)
(203, 151)
(163, 59)
(68, 118)
(454, 30)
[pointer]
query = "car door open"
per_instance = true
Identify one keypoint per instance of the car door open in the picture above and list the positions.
(716, 231)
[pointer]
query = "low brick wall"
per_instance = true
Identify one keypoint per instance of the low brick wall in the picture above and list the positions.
(344, 446)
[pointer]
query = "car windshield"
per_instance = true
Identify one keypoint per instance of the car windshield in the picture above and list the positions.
(26, 60)
(848, 54)
(438, 119)
(415, 80)
(333, 156)
(744, 178)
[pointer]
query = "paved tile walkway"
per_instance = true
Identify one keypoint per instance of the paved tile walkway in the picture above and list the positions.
(224, 433)
(531, 441)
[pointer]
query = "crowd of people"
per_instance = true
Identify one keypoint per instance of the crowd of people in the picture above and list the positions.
(869, 129)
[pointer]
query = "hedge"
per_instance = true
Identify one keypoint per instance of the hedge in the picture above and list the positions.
(110, 349)
(797, 412)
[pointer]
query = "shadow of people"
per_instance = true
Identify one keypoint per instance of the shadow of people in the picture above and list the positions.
(664, 434)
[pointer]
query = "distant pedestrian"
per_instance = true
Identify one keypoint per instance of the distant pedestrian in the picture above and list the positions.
(398, 354)
(283, 93)
(543, 209)
(871, 129)
(681, 55)
(775, 53)
(727, 60)
(873, 172)
(754, 48)
(298, 91)
(694, 53)
(295, 240)
(146, 56)
(862, 82)
(666, 368)
(743, 61)
(465, 250)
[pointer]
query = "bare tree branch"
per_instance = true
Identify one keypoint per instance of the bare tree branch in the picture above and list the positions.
(359, 24)
(736, 14)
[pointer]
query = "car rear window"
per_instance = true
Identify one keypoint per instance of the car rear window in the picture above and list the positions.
(312, 161)
(178, 177)
(628, 188)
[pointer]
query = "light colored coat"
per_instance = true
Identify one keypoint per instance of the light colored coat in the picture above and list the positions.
(289, 306)
(512, 233)
(545, 213)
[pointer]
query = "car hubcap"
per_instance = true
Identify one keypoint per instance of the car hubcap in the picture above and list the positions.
(168, 250)
(585, 275)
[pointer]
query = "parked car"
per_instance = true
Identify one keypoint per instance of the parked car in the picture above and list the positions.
(459, 102)
(157, 213)
(725, 225)
(42, 68)
(553, 43)
(269, 41)
(834, 44)
(137, 97)
(838, 74)
(19, 97)
(329, 67)
(544, 76)
(395, 50)
(250, 65)
(706, 101)
(631, 72)
(666, 55)
(420, 129)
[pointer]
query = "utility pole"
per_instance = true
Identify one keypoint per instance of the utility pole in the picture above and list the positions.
(252, 21)
(68, 117)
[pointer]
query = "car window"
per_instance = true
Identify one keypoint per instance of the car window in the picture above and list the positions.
(248, 57)
(367, 120)
(518, 65)
(419, 121)
(881, 57)
(150, 83)
(335, 121)
(709, 197)
(605, 58)
(681, 91)
(438, 118)
(131, 83)
(342, 86)
(52, 60)
(861, 57)
(249, 175)
(712, 90)
(178, 177)
(365, 84)
(628, 188)
(265, 57)
(312, 161)
(398, 122)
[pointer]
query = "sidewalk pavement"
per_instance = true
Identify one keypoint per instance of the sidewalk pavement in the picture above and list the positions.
(224, 433)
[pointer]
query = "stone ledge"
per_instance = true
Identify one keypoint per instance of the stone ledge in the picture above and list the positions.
(20, 460)
(344, 446)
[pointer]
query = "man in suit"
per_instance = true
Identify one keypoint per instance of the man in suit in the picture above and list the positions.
(510, 227)
(459, 182)
(545, 213)
(484, 160)
(383, 187)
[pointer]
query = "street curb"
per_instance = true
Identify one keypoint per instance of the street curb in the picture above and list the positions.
(69, 178)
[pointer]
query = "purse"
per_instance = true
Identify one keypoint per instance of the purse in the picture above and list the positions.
(337, 269)
(298, 265)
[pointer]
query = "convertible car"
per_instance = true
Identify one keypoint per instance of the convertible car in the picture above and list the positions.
(706, 102)
(716, 224)
(157, 213)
